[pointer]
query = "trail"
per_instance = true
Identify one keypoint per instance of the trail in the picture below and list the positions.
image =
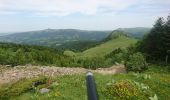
(30, 71)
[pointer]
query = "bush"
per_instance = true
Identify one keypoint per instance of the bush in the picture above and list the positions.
(136, 63)
(123, 90)
(127, 90)
(117, 55)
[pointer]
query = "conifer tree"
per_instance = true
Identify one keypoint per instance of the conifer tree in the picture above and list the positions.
(167, 38)
(153, 42)
(157, 43)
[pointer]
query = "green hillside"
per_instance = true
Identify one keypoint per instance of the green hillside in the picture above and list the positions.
(78, 46)
(108, 46)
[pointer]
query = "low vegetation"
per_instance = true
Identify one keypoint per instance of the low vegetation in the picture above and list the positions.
(10, 90)
(127, 90)
(154, 81)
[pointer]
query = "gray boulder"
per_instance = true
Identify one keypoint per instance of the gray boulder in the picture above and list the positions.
(44, 90)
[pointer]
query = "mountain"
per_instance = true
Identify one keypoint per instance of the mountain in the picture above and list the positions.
(71, 39)
(2, 34)
(137, 32)
(116, 34)
(84, 45)
(54, 37)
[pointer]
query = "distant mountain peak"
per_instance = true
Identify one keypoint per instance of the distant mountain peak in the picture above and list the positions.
(116, 34)
(48, 30)
(137, 32)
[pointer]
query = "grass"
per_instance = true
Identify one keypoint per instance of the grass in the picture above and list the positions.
(73, 87)
(13, 89)
(105, 48)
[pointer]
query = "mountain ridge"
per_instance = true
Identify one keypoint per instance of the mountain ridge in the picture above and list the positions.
(56, 37)
(53, 37)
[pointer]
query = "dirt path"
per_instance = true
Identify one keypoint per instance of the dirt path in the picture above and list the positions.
(29, 71)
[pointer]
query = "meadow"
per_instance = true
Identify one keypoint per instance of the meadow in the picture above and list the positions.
(103, 48)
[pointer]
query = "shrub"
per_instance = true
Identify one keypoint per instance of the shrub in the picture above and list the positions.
(119, 57)
(127, 90)
(136, 63)
(123, 90)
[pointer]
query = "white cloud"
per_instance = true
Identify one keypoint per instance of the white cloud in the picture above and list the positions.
(66, 7)
(7, 12)
(63, 7)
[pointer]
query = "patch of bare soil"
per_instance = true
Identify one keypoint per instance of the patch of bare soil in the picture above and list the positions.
(111, 70)
(29, 71)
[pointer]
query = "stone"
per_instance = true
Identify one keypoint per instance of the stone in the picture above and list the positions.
(44, 90)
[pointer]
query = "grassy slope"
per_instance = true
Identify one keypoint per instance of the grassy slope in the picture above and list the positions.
(74, 87)
(107, 47)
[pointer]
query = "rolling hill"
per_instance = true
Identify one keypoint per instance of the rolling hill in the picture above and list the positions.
(117, 39)
(54, 37)
(106, 48)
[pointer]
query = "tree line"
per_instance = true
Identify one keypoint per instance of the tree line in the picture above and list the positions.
(19, 54)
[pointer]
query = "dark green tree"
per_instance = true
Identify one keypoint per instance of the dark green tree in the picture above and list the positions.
(156, 45)
(167, 39)
(152, 44)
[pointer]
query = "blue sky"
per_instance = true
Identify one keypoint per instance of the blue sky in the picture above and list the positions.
(27, 15)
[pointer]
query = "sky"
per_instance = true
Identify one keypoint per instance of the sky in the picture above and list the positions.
(28, 15)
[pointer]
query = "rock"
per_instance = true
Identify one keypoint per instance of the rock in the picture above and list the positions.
(8, 65)
(117, 64)
(44, 90)
(14, 75)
